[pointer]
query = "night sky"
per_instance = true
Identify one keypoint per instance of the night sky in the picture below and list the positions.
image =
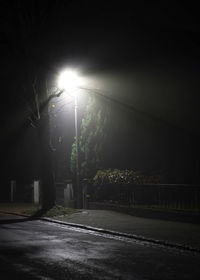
(145, 55)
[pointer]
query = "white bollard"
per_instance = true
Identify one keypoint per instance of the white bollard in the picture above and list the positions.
(68, 194)
(36, 192)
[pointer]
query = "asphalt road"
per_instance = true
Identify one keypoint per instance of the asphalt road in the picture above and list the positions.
(44, 250)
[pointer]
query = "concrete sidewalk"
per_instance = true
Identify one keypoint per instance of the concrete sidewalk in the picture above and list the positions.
(170, 231)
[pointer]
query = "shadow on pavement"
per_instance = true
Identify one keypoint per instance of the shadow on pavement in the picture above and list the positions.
(12, 221)
(37, 215)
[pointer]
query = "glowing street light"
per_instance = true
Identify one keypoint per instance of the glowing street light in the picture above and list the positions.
(69, 81)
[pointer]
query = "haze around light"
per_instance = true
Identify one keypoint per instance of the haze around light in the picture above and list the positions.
(69, 80)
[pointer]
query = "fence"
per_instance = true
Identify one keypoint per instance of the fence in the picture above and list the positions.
(65, 193)
(25, 192)
(180, 197)
(32, 193)
(21, 192)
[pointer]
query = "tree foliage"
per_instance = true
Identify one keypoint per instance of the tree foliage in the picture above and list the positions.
(118, 176)
(93, 134)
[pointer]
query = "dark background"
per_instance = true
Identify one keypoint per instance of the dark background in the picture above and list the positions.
(145, 55)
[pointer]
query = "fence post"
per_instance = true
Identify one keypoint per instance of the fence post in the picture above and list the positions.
(36, 192)
(68, 194)
(12, 190)
(85, 196)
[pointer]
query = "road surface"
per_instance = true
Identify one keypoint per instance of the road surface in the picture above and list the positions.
(45, 250)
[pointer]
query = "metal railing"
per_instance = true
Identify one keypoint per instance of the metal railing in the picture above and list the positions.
(171, 196)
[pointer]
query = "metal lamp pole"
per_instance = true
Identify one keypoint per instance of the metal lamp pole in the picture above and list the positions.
(77, 153)
(69, 81)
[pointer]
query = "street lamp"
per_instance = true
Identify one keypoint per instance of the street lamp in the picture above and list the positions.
(69, 81)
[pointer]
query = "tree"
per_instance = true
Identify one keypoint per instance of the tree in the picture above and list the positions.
(23, 23)
(40, 120)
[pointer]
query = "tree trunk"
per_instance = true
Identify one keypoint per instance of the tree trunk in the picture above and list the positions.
(46, 166)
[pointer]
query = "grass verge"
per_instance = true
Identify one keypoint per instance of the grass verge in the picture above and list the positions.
(57, 210)
(31, 209)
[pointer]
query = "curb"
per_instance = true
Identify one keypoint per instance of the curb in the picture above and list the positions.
(126, 235)
(113, 233)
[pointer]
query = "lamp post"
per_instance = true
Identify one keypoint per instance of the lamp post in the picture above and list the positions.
(79, 193)
(69, 81)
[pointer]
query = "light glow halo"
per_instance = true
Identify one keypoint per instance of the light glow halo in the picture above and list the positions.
(68, 80)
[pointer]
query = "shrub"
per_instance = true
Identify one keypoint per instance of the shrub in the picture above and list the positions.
(123, 176)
